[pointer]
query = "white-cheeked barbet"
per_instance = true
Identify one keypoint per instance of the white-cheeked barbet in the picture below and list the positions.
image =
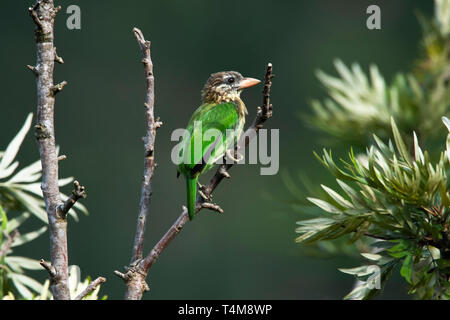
(221, 111)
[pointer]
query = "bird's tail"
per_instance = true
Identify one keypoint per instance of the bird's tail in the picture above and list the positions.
(191, 192)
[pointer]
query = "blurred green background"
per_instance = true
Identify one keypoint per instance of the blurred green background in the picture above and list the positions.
(249, 252)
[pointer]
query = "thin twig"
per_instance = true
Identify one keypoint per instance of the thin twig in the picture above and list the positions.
(78, 192)
(121, 275)
(33, 11)
(90, 288)
(9, 242)
(33, 69)
(166, 239)
(50, 269)
(212, 206)
(58, 87)
(134, 283)
(149, 145)
(58, 58)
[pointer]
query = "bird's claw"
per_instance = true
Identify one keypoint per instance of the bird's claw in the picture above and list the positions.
(202, 192)
(203, 195)
(231, 157)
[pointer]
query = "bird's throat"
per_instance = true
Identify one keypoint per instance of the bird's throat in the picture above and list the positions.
(215, 97)
(242, 110)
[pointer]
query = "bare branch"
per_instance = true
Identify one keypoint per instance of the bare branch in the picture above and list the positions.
(90, 288)
(135, 280)
(165, 240)
(8, 243)
(43, 14)
(149, 145)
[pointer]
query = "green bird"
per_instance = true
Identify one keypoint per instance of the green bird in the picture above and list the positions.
(214, 128)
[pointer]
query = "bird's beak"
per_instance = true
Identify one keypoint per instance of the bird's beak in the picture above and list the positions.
(248, 82)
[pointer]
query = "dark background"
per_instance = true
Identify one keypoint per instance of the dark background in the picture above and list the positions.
(249, 252)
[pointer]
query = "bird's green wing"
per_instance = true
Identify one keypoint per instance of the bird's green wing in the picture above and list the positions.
(207, 136)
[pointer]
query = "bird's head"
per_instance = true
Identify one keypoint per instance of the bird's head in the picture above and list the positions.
(225, 86)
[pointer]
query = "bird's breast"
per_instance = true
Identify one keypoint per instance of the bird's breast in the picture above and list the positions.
(242, 110)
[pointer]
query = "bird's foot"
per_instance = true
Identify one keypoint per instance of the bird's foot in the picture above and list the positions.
(232, 157)
(202, 192)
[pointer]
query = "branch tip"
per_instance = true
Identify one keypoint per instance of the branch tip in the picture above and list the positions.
(78, 192)
(121, 275)
(58, 87)
(47, 266)
(33, 69)
(33, 14)
(223, 171)
(9, 242)
(158, 124)
(94, 284)
(212, 206)
(55, 11)
(140, 37)
(58, 58)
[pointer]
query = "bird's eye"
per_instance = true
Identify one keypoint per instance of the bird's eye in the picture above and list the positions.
(230, 80)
